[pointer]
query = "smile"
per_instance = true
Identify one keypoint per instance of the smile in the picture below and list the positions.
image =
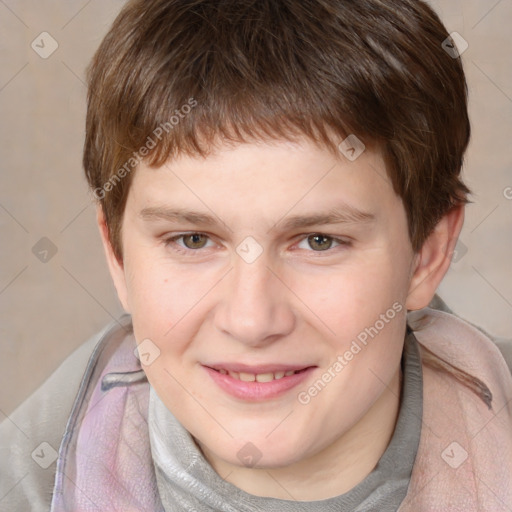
(259, 384)
(258, 377)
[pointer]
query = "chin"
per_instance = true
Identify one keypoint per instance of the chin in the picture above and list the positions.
(259, 453)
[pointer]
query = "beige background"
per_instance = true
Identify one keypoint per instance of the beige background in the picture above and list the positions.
(48, 309)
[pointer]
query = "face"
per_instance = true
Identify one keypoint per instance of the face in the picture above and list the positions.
(273, 279)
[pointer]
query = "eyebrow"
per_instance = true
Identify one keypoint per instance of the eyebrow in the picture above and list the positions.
(342, 215)
(177, 215)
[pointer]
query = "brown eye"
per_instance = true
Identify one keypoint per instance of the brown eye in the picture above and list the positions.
(320, 242)
(194, 240)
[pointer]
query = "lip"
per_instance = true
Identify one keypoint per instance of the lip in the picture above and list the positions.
(260, 368)
(257, 391)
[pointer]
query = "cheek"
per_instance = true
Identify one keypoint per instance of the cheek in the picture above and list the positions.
(352, 297)
(362, 315)
(165, 303)
(160, 294)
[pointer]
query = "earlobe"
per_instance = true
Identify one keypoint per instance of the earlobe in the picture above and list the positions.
(434, 258)
(115, 266)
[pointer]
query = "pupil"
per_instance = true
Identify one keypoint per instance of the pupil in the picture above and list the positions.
(195, 240)
(317, 240)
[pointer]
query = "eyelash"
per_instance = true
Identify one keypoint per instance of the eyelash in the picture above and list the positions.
(184, 250)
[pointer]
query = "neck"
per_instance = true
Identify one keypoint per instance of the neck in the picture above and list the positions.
(333, 471)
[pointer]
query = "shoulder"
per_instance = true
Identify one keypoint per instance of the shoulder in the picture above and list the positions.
(461, 431)
(464, 346)
(32, 434)
(438, 313)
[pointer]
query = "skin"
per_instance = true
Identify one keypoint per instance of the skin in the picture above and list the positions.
(295, 304)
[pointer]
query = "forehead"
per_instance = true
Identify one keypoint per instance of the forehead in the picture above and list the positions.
(276, 178)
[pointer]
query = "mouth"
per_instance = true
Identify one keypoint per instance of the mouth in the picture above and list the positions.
(259, 377)
(257, 383)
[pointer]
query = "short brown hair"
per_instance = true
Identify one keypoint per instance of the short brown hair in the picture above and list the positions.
(279, 69)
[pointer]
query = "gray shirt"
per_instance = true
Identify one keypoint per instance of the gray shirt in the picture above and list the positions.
(186, 481)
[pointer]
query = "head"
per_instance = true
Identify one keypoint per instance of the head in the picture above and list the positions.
(225, 118)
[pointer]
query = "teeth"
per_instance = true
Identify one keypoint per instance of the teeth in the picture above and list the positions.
(265, 377)
(260, 377)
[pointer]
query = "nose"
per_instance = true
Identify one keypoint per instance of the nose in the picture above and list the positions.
(255, 308)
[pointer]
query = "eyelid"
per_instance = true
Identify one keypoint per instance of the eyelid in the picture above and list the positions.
(168, 240)
(341, 241)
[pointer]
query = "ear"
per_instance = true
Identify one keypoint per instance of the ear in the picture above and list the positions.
(434, 258)
(115, 266)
